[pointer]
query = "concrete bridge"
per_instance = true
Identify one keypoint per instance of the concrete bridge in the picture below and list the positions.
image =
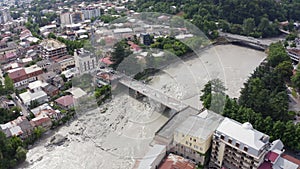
(140, 89)
(259, 43)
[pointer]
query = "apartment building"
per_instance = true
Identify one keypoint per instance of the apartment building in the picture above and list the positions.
(237, 145)
(51, 48)
(23, 76)
(65, 19)
(192, 139)
(91, 12)
(85, 61)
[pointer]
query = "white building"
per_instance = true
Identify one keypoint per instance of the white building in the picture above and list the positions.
(91, 12)
(237, 145)
(65, 19)
(39, 96)
(85, 61)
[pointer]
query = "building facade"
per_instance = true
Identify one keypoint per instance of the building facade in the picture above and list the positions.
(23, 76)
(85, 61)
(237, 145)
(51, 48)
(91, 12)
(65, 19)
(192, 139)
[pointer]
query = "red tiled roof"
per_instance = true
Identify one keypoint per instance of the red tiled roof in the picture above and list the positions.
(272, 156)
(265, 165)
(176, 162)
(291, 159)
(106, 60)
(294, 51)
(16, 74)
(65, 100)
(40, 121)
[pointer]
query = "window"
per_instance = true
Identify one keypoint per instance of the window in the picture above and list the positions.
(245, 148)
(196, 147)
(182, 135)
(222, 137)
(186, 142)
(194, 140)
(191, 139)
(229, 141)
(237, 145)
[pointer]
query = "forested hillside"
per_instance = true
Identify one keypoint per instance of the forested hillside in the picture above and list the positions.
(258, 18)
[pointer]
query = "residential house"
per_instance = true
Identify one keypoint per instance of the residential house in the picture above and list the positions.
(22, 76)
(65, 102)
(58, 81)
(77, 92)
(6, 103)
(48, 110)
(176, 162)
(277, 159)
(51, 90)
(20, 127)
(42, 120)
(47, 77)
(39, 96)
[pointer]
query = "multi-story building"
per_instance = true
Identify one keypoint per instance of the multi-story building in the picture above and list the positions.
(85, 61)
(237, 145)
(65, 62)
(65, 19)
(91, 12)
(77, 17)
(146, 39)
(294, 54)
(192, 139)
(23, 76)
(5, 16)
(51, 48)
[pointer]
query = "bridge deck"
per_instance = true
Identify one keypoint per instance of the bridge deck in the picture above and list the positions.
(153, 93)
(247, 39)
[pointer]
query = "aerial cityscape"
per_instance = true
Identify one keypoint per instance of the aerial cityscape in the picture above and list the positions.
(149, 84)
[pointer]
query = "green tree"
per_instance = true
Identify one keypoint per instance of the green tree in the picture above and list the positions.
(213, 96)
(296, 79)
(21, 154)
(9, 84)
(284, 70)
(248, 26)
(277, 54)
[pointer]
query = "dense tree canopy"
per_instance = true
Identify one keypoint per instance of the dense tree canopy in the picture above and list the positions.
(258, 18)
(11, 151)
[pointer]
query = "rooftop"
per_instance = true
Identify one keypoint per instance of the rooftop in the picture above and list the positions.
(51, 44)
(167, 130)
(243, 133)
(31, 69)
(177, 162)
(65, 100)
(202, 125)
(77, 92)
(28, 96)
(36, 84)
(151, 156)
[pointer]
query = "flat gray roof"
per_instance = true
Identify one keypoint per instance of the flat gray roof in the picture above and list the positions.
(202, 125)
(167, 130)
